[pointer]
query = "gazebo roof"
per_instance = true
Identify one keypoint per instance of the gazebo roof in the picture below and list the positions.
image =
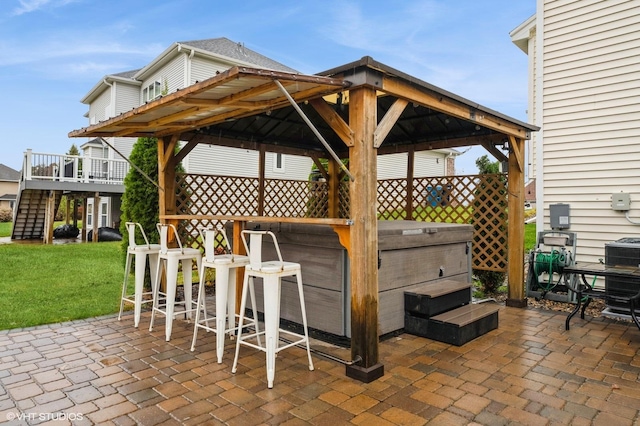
(245, 107)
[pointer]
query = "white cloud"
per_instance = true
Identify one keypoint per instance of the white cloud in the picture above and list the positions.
(28, 6)
(71, 48)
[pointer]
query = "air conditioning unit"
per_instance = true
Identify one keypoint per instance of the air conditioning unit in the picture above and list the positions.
(623, 252)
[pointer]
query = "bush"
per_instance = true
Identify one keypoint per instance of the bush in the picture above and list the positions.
(490, 280)
(6, 215)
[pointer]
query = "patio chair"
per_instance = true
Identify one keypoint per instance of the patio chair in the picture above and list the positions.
(225, 266)
(138, 254)
(169, 259)
(271, 273)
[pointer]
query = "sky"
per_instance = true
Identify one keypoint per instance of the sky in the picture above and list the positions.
(52, 52)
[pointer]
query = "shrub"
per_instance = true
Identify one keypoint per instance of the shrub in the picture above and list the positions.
(490, 280)
(6, 215)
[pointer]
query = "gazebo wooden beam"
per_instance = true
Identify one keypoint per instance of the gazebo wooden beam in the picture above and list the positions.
(435, 101)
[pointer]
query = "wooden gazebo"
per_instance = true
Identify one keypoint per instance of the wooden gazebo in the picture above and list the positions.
(355, 111)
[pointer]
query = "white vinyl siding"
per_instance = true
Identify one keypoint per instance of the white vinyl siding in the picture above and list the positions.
(296, 167)
(127, 97)
(99, 105)
(425, 164)
(217, 160)
(202, 69)
(223, 161)
(591, 118)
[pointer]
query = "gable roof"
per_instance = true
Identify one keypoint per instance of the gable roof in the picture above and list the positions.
(8, 174)
(237, 51)
(221, 49)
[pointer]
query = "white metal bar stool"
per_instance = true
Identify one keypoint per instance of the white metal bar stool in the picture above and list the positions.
(225, 266)
(164, 303)
(138, 253)
(271, 272)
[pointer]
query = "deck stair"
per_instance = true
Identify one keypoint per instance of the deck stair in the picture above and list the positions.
(31, 213)
(443, 311)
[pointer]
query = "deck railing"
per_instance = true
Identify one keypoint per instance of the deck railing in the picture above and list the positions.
(73, 168)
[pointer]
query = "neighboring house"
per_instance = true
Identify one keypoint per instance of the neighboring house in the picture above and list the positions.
(9, 180)
(584, 94)
(180, 65)
(185, 63)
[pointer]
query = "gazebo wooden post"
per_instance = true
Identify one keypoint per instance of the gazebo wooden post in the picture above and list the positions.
(49, 217)
(411, 155)
(167, 175)
(334, 189)
(96, 216)
(261, 173)
(363, 253)
(515, 186)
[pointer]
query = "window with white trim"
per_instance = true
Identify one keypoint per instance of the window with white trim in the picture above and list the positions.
(152, 91)
(103, 214)
(89, 214)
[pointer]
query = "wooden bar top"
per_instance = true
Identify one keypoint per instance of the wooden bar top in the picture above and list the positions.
(266, 219)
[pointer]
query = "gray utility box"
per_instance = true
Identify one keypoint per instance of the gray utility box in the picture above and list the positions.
(410, 254)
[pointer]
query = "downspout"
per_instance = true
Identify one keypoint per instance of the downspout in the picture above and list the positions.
(187, 74)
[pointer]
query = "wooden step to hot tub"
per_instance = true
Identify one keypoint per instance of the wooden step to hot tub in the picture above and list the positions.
(435, 298)
(457, 326)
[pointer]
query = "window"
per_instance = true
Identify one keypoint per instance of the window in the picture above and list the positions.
(103, 214)
(278, 163)
(89, 214)
(152, 91)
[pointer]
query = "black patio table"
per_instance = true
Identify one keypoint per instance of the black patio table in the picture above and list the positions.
(576, 280)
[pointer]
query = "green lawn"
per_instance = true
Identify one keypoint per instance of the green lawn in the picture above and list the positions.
(42, 284)
(529, 236)
(5, 229)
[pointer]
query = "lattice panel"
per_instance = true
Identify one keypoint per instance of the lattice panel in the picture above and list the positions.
(318, 201)
(392, 199)
(343, 200)
(442, 199)
(221, 195)
(490, 223)
(288, 198)
(479, 200)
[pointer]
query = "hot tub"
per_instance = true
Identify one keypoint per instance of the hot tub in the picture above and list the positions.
(410, 255)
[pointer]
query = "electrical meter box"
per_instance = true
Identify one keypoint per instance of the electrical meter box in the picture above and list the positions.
(620, 201)
(559, 215)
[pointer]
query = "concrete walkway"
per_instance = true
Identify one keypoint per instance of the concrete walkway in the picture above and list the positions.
(529, 371)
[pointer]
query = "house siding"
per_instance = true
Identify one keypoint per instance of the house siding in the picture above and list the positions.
(243, 163)
(202, 69)
(127, 97)
(591, 118)
(170, 76)
(425, 164)
(98, 107)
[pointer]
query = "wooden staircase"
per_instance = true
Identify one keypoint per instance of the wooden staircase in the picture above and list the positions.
(443, 311)
(30, 215)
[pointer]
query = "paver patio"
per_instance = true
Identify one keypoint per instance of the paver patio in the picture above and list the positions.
(528, 371)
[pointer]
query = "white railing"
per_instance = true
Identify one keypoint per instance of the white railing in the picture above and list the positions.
(73, 168)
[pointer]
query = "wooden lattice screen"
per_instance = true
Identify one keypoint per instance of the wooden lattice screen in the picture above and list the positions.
(476, 199)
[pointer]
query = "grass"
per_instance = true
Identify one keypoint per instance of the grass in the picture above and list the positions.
(43, 284)
(5, 229)
(529, 237)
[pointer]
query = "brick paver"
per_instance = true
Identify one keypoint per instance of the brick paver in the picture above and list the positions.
(528, 371)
